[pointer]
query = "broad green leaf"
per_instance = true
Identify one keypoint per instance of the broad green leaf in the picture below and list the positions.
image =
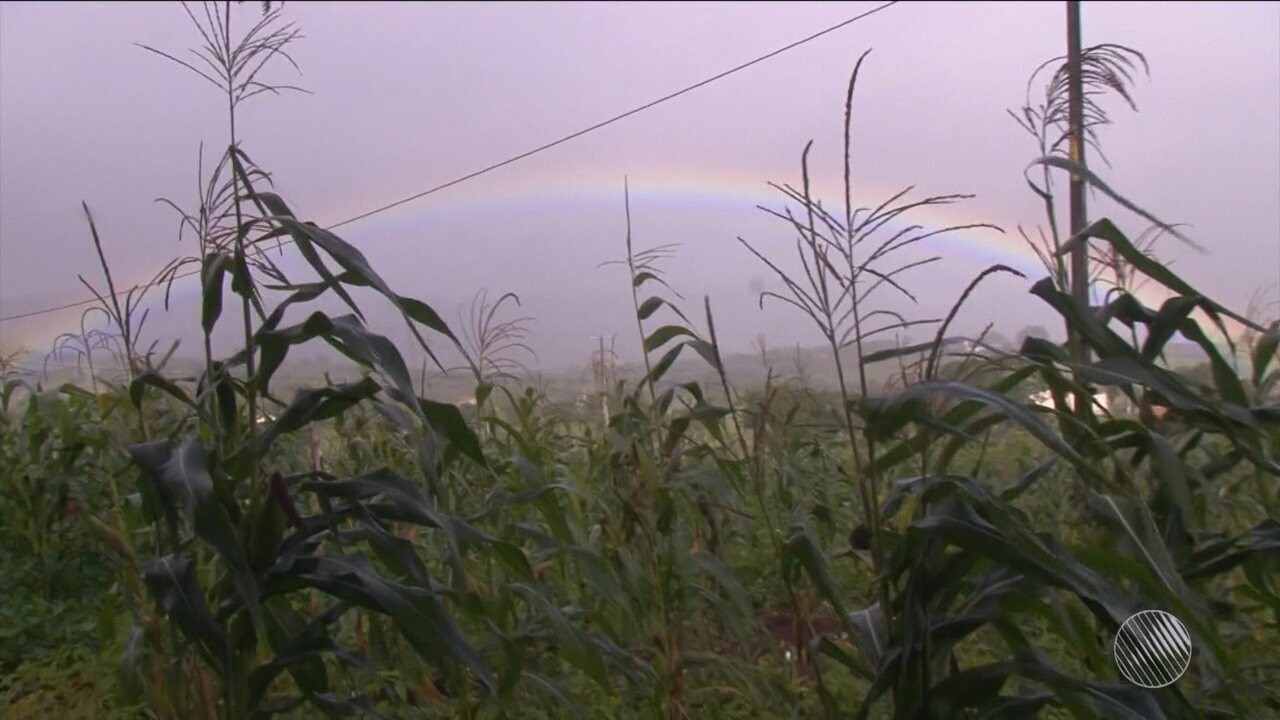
(158, 381)
(446, 419)
(1020, 414)
(725, 578)
(186, 474)
(1265, 352)
(215, 268)
(177, 593)
(314, 405)
(664, 335)
(1136, 532)
(873, 633)
(576, 646)
(897, 352)
(297, 646)
(419, 616)
(1212, 559)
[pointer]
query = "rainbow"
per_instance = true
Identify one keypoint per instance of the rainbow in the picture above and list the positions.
(669, 189)
(652, 191)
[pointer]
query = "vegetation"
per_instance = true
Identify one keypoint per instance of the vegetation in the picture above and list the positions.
(202, 548)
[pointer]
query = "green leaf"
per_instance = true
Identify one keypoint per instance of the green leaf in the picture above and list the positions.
(649, 307)
(873, 633)
(224, 394)
(483, 390)
(160, 382)
(597, 572)
(1106, 231)
(513, 557)
(215, 268)
(1122, 371)
(977, 687)
(75, 391)
(707, 351)
(1165, 324)
(965, 514)
(297, 646)
(157, 498)
(954, 417)
(1121, 568)
(173, 585)
(314, 405)
(186, 474)
(1020, 414)
(446, 419)
(1265, 351)
(644, 277)
(896, 352)
(664, 335)
(397, 553)
(419, 616)
(725, 578)
(402, 500)
(1028, 479)
(1212, 559)
(660, 369)
(1138, 534)
(575, 645)
(360, 273)
(426, 315)
(1082, 320)
(802, 551)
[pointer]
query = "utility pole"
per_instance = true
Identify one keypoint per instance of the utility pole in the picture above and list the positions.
(1075, 144)
(600, 370)
(1080, 253)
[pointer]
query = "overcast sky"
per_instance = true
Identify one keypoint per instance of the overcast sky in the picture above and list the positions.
(406, 96)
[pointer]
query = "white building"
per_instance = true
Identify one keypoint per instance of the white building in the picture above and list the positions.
(1044, 399)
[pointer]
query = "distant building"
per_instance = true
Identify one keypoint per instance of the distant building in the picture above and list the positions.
(1044, 399)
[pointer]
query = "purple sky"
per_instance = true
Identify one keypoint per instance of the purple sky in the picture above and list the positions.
(407, 96)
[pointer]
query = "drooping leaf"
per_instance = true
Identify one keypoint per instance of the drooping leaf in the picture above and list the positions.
(873, 633)
(418, 614)
(446, 419)
(1020, 414)
(1265, 352)
(214, 270)
(1106, 231)
(177, 593)
(725, 578)
(575, 645)
(160, 382)
(1137, 533)
(1262, 540)
(314, 405)
(186, 474)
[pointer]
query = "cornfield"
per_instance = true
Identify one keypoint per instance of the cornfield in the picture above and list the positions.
(933, 547)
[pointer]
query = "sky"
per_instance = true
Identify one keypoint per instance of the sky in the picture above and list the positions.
(406, 96)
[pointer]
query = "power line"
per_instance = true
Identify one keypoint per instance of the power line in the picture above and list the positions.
(514, 158)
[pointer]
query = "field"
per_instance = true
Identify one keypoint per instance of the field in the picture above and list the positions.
(867, 529)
